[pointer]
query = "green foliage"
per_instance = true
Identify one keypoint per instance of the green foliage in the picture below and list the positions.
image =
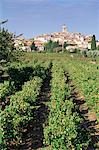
(84, 53)
(28, 88)
(19, 112)
(5, 90)
(93, 43)
(65, 45)
(85, 76)
(54, 45)
(57, 49)
(6, 44)
(33, 47)
(61, 129)
(22, 72)
(50, 46)
(98, 47)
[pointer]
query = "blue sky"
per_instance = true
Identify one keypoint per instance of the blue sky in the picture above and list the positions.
(34, 17)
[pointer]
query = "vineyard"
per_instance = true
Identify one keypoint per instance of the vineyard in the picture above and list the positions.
(49, 102)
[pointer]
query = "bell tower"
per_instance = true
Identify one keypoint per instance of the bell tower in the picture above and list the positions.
(64, 28)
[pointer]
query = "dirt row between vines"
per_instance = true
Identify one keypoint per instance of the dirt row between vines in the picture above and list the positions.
(33, 135)
(90, 121)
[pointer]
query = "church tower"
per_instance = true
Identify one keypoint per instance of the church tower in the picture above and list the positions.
(64, 29)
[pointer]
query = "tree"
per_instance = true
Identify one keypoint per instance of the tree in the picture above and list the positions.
(33, 47)
(6, 44)
(54, 45)
(98, 47)
(84, 53)
(65, 45)
(50, 45)
(57, 49)
(93, 43)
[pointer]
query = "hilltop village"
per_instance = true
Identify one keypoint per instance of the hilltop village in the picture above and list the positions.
(74, 40)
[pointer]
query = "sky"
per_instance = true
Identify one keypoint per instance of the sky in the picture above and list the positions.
(35, 17)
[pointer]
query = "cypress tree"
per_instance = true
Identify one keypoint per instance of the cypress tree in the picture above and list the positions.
(65, 45)
(33, 47)
(93, 43)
